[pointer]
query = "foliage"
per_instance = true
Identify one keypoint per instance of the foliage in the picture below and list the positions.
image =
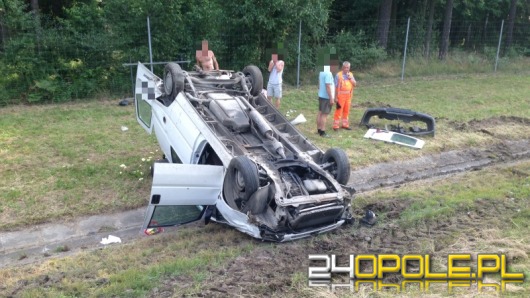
(358, 50)
(272, 25)
(75, 49)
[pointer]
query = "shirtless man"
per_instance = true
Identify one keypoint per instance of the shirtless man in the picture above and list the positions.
(205, 58)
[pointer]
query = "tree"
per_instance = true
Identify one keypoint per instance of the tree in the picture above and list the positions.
(261, 25)
(428, 33)
(444, 42)
(385, 11)
(511, 21)
(36, 16)
(3, 29)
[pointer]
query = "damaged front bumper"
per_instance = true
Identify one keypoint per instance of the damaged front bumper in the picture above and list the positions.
(269, 235)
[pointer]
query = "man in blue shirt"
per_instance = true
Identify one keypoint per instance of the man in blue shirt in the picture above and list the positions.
(326, 96)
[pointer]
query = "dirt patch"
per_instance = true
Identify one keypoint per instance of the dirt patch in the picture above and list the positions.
(277, 271)
(280, 270)
(445, 163)
(486, 124)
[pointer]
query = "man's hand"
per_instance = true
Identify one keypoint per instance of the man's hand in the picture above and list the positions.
(274, 58)
(352, 79)
(330, 92)
(338, 105)
(271, 65)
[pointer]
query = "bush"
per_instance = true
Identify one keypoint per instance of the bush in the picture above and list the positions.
(357, 50)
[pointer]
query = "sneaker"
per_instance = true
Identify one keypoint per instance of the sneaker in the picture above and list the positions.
(319, 131)
(346, 128)
(324, 134)
(335, 128)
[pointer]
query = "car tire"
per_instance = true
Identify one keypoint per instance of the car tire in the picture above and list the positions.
(241, 181)
(152, 171)
(254, 78)
(341, 168)
(173, 80)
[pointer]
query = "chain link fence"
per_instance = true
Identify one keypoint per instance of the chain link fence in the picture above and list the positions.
(64, 66)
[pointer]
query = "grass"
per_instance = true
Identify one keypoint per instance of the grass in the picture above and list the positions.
(67, 160)
(457, 63)
(434, 201)
(129, 270)
(453, 101)
(62, 161)
(190, 261)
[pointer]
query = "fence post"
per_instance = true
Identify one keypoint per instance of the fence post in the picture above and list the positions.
(299, 45)
(405, 50)
(132, 78)
(499, 47)
(149, 40)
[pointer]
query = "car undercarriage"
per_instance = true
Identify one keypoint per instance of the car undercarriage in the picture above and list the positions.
(274, 175)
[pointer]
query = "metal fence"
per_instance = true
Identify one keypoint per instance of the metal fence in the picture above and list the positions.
(481, 46)
(483, 42)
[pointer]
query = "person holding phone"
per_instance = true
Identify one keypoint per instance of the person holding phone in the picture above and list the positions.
(344, 83)
(274, 86)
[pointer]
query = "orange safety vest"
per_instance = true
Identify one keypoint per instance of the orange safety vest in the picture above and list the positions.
(344, 86)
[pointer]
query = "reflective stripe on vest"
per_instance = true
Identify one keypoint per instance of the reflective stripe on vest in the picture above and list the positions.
(348, 85)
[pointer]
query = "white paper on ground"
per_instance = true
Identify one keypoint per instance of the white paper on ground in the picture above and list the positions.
(299, 119)
(110, 239)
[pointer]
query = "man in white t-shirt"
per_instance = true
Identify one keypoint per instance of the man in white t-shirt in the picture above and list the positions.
(274, 87)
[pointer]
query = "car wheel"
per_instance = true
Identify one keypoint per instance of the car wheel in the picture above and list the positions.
(164, 160)
(340, 170)
(173, 80)
(254, 78)
(241, 181)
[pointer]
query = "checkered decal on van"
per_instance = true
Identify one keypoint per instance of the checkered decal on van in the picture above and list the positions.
(145, 89)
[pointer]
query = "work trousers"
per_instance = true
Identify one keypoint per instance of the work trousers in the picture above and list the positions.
(344, 101)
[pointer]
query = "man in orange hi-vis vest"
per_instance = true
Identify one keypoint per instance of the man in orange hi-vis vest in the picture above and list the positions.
(344, 84)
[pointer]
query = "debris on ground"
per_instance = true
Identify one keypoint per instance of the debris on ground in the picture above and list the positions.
(124, 102)
(110, 239)
(369, 218)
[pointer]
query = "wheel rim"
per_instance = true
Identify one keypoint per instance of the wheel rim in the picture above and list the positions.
(250, 81)
(334, 168)
(168, 83)
(240, 181)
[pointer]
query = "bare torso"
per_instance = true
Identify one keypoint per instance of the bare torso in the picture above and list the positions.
(206, 62)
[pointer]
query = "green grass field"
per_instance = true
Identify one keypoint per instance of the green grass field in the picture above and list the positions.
(64, 161)
(486, 211)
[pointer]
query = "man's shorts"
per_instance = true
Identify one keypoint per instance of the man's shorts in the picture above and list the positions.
(274, 90)
(323, 105)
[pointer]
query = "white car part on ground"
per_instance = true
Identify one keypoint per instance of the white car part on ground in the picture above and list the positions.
(394, 137)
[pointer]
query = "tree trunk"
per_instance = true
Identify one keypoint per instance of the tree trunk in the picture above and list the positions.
(36, 16)
(428, 33)
(2, 30)
(35, 7)
(385, 10)
(511, 21)
(485, 32)
(424, 6)
(444, 42)
(393, 29)
(468, 37)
